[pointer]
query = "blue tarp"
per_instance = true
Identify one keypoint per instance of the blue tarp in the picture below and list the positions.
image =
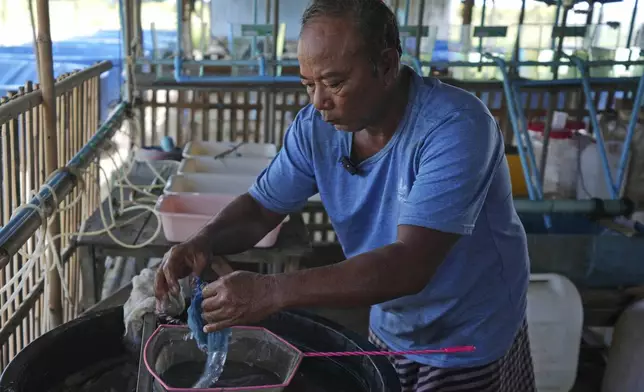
(18, 63)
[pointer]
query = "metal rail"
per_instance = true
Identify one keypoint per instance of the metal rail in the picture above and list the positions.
(27, 221)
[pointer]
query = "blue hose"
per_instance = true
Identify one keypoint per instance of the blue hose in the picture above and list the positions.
(215, 344)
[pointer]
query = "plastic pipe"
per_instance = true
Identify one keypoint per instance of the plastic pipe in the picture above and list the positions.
(124, 64)
(262, 65)
(557, 12)
(598, 63)
(524, 131)
(254, 52)
(608, 207)
(513, 110)
(518, 122)
(483, 9)
(295, 63)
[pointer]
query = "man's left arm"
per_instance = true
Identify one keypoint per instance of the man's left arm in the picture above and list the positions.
(457, 164)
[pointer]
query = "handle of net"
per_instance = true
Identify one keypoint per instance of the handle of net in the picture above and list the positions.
(447, 350)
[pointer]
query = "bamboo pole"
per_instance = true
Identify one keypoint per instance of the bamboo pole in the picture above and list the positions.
(30, 3)
(46, 78)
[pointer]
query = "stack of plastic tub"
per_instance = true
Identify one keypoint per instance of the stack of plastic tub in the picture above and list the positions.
(211, 176)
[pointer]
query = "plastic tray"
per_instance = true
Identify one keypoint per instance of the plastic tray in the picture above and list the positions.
(171, 345)
(201, 183)
(216, 149)
(183, 215)
(243, 166)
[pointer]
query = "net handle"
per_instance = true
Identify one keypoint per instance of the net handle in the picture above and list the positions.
(448, 350)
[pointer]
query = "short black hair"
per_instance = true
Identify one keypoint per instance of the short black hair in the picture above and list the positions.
(375, 22)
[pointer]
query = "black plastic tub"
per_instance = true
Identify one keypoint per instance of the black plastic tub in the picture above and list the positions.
(89, 351)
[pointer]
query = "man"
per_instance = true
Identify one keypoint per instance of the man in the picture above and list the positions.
(413, 176)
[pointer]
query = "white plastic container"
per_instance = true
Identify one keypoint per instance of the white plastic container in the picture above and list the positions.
(560, 177)
(624, 368)
(225, 149)
(208, 184)
(183, 215)
(591, 181)
(555, 320)
(243, 166)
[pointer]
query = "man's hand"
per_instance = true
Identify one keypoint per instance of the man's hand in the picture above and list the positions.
(180, 261)
(239, 298)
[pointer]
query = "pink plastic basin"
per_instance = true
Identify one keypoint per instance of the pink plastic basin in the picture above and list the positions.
(183, 215)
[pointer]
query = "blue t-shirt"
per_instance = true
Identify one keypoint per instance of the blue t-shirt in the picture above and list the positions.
(443, 169)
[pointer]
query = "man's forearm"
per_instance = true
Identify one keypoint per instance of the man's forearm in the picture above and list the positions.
(237, 228)
(370, 278)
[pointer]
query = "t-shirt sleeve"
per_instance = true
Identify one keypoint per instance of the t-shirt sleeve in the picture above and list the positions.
(456, 165)
(289, 181)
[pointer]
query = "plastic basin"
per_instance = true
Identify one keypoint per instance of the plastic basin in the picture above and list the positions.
(225, 184)
(224, 150)
(183, 215)
(207, 165)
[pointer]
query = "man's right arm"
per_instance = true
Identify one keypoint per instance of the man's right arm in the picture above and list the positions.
(283, 187)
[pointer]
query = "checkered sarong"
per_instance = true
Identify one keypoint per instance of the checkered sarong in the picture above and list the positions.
(512, 373)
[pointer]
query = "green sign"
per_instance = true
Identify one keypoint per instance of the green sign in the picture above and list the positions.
(257, 30)
(412, 31)
(568, 31)
(490, 31)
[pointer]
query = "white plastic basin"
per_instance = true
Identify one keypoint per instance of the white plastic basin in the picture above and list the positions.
(183, 215)
(217, 149)
(243, 166)
(209, 183)
(225, 184)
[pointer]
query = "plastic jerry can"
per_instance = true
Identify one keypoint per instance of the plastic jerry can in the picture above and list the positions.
(555, 320)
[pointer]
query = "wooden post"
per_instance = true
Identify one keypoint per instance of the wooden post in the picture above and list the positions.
(46, 78)
(466, 12)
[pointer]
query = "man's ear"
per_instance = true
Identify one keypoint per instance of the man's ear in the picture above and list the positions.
(389, 66)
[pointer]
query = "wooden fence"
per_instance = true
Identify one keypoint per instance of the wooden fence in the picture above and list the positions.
(261, 113)
(22, 169)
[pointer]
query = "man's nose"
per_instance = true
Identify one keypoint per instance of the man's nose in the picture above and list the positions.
(321, 100)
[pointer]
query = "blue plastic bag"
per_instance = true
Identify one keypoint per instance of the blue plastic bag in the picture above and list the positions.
(215, 344)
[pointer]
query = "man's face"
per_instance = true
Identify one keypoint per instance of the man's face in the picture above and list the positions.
(339, 78)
